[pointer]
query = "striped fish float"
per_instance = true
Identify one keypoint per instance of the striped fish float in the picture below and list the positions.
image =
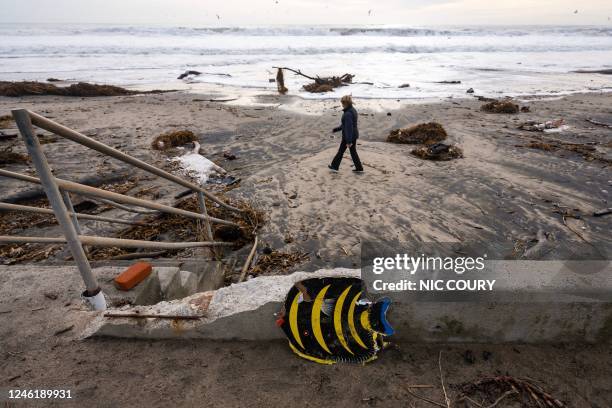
(328, 320)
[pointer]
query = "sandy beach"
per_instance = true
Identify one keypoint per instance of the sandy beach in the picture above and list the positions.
(501, 189)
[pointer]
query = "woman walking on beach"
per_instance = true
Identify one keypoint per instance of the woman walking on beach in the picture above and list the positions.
(350, 134)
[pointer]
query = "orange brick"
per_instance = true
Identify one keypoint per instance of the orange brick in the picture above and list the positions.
(133, 275)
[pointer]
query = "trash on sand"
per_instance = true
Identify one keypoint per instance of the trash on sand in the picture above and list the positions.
(551, 126)
(198, 166)
(328, 320)
(497, 106)
(438, 152)
(173, 139)
(133, 275)
(423, 133)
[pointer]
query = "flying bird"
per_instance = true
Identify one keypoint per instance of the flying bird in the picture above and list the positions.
(575, 11)
(369, 12)
(218, 18)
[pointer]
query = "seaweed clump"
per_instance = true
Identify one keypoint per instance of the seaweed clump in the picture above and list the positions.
(278, 262)
(327, 84)
(173, 227)
(5, 121)
(423, 133)
(173, 139)
(82, 89)
(438, 152)
(7, 156)
(497, 106)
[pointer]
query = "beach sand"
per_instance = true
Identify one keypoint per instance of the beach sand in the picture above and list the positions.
(497, 191)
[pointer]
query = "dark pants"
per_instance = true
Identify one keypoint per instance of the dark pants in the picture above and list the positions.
(353, 149)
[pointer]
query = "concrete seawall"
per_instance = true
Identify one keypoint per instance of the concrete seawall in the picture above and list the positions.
(246, 311)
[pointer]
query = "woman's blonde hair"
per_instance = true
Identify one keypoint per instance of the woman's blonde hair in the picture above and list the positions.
(347, 100)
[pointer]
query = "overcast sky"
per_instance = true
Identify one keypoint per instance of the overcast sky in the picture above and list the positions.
(337, 12)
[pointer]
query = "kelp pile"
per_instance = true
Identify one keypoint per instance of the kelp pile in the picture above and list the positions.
(173, 139)
(423, 133)
(277, 262)
(438, 152)
(503, 106)
(7, 156)
(177, 228)
(82, 89)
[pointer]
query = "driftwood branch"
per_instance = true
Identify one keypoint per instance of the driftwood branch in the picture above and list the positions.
(245, 268)
(297, 72)
(598, 123)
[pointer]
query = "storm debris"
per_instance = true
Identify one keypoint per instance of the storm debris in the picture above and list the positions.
(588, 152)
(525, 391)
(173, 139)
(438, 152)
(188, 73)
(82, 89)
(423, 133)
(550, 126)
(172, 227)
(321, 84)
(5, 121)
(278, 262)
(280, 82)
(497, 106)
(7, 156)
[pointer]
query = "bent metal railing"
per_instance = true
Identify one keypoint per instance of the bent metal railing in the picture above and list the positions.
(57, 191)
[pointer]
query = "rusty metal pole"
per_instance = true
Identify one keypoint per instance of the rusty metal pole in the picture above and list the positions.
(92, 294)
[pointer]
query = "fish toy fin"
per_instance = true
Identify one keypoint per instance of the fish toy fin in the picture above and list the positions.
(378, 317)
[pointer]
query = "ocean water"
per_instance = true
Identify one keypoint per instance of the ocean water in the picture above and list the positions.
(495, 61)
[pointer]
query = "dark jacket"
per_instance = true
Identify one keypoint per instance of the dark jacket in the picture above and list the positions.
(350, 132)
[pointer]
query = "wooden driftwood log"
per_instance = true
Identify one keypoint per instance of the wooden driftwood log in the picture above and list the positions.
(280, 82)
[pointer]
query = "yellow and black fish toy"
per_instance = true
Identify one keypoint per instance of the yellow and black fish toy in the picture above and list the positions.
(328, 320)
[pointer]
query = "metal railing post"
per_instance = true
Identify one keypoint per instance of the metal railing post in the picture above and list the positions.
(207, 229)
(70, 207)
(22, 119)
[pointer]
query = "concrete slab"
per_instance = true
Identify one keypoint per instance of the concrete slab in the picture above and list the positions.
(246, 311)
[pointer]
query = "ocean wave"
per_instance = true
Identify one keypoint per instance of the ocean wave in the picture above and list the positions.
(66, 52)
(298, 31)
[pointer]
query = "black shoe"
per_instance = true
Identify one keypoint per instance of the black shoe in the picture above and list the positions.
(332, 168)
(357, 171)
